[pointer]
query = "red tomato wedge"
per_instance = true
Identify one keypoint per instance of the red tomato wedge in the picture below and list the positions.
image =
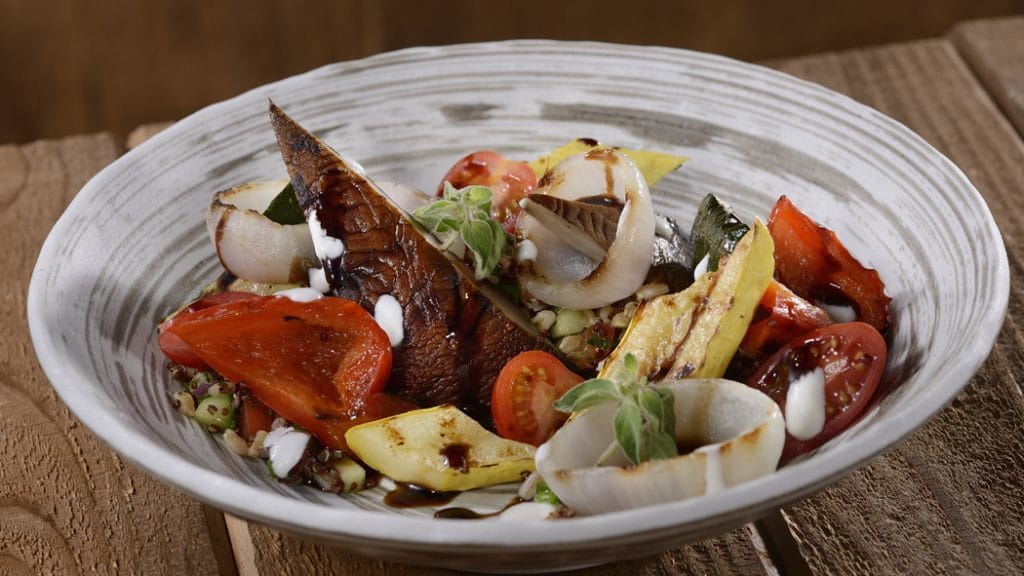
(852, 356)
(781, 317)
(173, 347)
(521, 401)
(318, 364)
(812, 262)
(509, 181)
(253, 416)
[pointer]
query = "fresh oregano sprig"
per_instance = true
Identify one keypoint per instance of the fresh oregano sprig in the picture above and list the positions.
(645, 421)
(466, 214)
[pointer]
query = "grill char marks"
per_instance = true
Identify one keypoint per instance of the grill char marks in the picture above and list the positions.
(456, 338)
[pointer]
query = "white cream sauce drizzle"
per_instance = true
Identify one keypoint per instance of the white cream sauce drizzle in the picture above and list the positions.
(284, 449)
(702, 267)
(805, 405)
(839, 313)
(318, 280)
(325, 245)
(300, 295)
(388, 314)
(526, 251)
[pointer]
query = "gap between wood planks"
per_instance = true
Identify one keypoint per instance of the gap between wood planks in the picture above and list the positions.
(991, 48)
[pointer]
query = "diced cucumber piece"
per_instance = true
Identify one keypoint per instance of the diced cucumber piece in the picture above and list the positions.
(216, 413)
(568, 322)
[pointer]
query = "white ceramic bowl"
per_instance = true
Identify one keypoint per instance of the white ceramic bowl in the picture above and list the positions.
(132, 245)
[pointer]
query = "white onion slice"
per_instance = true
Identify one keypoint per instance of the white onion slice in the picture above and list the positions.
(254, 247)
(561, 275)
(740, 431)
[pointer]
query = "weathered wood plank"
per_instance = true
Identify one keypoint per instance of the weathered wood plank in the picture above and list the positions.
(68, 505)
(122, 70)
(276, 553)
(994, 49)
(950, 500)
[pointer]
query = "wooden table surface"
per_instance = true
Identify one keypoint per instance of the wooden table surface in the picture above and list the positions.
(949, 500)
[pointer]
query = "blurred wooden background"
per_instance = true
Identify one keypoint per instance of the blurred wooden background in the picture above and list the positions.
(70, 66)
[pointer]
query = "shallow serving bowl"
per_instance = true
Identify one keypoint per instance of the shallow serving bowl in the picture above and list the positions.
(132, 246)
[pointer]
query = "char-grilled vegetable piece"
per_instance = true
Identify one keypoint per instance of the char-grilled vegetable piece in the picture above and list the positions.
(723, 319)
(440, 449)
(695, 333)
(457, 333)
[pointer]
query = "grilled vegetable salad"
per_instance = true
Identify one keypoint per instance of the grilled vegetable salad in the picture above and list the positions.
(532, 322)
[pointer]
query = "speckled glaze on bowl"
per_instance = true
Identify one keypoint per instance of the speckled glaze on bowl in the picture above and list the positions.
(132, 245)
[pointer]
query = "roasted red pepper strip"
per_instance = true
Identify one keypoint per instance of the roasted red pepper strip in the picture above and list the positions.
(812, 262)
(178, 351)
(318, 364)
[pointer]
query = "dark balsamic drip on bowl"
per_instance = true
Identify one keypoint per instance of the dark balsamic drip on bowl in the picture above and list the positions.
(460, 513)
(412, 496)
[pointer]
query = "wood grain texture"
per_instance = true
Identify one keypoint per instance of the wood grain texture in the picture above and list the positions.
(950, 500)
(994, 49)
(280, 554)
(68, 505)
(114, 64)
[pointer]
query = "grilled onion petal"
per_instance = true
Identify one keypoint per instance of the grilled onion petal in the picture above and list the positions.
(563, 276)
(739, 430)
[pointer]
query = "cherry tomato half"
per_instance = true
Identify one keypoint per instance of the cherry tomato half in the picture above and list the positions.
(173, 347)
(320, 364)
(521, 401)
(852, 356)
(812, 262)
(508, 180)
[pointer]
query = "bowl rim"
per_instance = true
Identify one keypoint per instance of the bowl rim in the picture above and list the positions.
(355, 525)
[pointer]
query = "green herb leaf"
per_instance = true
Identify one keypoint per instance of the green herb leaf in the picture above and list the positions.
(716, 231)
(284, 208)
(645, 421)
(587, 394)
(479, 239)
(630, 368)
(477, 198)
(449, 193)
(439, 216)
(662, 447)
(654, 409)
(467, 212)
(629, 430)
